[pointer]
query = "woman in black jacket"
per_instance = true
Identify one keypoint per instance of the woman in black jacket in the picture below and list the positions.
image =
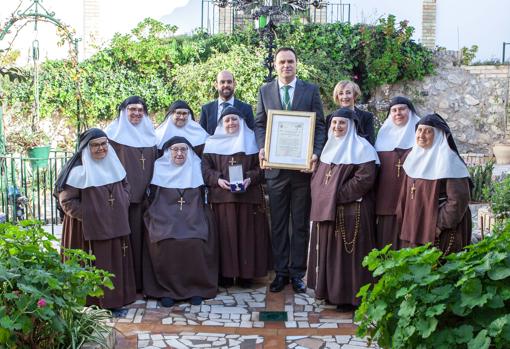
(345, 94)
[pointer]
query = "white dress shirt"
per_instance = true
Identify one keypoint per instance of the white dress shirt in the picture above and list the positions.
(220, 108)
(292, 88)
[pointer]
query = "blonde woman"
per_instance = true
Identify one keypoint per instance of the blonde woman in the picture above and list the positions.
(345, 94)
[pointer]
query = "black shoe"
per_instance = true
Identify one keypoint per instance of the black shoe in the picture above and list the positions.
(278, 283)
(244, 283)
(167, 302)
(226, 282)
(196, 300)
(119, 312)
(345, 308)
(298, 285)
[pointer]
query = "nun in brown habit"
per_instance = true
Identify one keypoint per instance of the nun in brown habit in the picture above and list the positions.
(245, 246)
(94, 195)
(181, 261)
(433, 204)
(342, 213)
(394, 141)
(132, 136)
(180, 121)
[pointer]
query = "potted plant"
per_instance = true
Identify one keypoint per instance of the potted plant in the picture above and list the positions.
(33, 141)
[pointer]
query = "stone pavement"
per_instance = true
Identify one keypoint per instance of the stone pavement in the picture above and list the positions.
(231, 320)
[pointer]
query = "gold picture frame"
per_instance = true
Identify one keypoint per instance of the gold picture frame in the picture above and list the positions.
(289, 139)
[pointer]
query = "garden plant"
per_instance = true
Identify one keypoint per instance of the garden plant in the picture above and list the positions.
(42, 298)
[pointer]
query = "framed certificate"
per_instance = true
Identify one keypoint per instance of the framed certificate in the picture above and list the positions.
(289, 139)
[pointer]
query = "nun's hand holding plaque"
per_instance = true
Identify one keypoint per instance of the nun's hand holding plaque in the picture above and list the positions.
(236, 180)
(289, 140)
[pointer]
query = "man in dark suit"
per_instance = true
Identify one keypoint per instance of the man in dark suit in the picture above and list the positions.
(210, 113)
(289, 191)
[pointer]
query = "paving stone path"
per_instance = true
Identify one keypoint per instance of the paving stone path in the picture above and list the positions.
(231, 320)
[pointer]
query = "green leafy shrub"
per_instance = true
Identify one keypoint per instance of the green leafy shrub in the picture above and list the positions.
(424, 301)
(499, 193)
(481, 175)
(468, 54)
(42, 298)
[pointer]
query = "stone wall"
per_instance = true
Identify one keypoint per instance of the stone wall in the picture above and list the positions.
(472, 99)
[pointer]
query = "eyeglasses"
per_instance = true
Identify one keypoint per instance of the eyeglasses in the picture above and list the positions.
(181, 113)
(135, 109)
(176, 150)
(97, 146)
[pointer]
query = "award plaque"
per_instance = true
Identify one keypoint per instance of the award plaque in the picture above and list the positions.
(289, 139)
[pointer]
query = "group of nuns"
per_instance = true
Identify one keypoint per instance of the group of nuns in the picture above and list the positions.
(158, 209)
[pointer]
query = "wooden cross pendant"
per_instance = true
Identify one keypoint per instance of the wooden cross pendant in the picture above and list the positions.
(232, 161)
(181, 202)
(328, 176)
(413, 190)
(398, 166)
(124, 247)
(142, 159)
(111, 200)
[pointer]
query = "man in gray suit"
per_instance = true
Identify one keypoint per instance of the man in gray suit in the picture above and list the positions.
(289, 191)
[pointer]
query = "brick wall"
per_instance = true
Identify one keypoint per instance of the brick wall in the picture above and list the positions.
(428, 35)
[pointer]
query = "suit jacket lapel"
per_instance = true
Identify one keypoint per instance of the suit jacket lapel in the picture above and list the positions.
(275, 93)
(215, 113)
(297, 94)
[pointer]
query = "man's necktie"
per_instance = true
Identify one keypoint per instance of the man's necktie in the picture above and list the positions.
(286, 97)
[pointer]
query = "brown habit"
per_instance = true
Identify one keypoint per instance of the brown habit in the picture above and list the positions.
(181, 259)
(388, 186)
(93, 225)
(431, 208)
(334, 267)
(139, 174)
(245, 246)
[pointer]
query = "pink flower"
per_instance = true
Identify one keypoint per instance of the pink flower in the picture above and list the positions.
(41, 303)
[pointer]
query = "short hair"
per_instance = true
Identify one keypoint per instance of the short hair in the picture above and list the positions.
(284, 48)
(341, 85)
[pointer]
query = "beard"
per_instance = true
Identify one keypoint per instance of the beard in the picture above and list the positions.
(226, 93)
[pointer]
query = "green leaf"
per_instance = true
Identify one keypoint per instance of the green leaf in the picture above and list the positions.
(407, 308)
(426, 326)
(497, 325)
(481, 341)
(7, 322)
(435, 310)
(463, 334)
(378, 311)
(499, 272)
(496, 302)
(471, 292)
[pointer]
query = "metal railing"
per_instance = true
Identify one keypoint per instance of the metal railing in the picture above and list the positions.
(216, 19)
(26, 187)
(330, 13)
